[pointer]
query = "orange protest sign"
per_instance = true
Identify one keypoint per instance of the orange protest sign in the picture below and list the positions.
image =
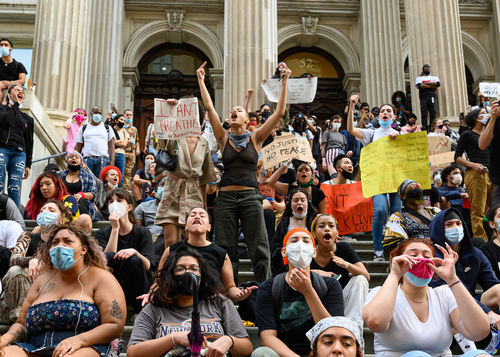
(346, 203)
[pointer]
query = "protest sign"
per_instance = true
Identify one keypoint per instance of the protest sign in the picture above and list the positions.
(439, 152)
(491, 90)
(346, 203)
(300, 90)
(442, 159)
(386, 163)
(285, 146)
(176, 121)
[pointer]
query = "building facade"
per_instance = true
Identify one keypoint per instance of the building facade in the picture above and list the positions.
(128, 52)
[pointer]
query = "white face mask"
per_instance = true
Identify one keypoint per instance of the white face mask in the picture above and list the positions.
(112, 186)
(118, 208)
(299, 216)
(483, 119)
(457, 179)
(335, 126)
(437, 178)
(299, 254)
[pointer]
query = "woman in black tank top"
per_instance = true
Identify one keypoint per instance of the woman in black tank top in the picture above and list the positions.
(239, 198)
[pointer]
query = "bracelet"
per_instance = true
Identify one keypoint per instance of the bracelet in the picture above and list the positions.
(456, 282)
(231, 337)
(173, 338)
(82, 194)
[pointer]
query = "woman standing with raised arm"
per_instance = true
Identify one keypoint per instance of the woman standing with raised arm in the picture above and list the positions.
(239, 197)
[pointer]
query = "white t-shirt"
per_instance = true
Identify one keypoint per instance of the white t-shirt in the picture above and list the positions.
(95, 140)
(407, 333)
(370, 135)
(9, 233)
(330, 182)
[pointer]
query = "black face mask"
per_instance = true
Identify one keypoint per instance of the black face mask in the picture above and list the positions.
(416, 193)
(427, 72)
(120, 125)
(410, 123)
(346, 174)
(265, 114)
(74, 168)
(184, 283)
(301, 127)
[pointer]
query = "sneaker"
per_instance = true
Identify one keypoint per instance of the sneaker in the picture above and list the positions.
(379, 256)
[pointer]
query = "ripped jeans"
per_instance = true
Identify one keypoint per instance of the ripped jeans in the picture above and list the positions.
(13, 162)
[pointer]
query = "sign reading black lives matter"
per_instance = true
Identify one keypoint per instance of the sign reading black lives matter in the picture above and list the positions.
(285, 146)
(176, 121)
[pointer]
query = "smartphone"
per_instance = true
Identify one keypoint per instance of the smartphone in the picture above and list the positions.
(270, 199)
(337, 276)
(113, 105)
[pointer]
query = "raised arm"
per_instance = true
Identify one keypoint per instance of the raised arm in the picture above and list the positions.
(487, 134)
(264, 131)
(220, 134)
(247, 100)
(274, 183)
(350, 118)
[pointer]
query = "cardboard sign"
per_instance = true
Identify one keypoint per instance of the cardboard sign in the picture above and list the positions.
(442, 159)
(386, 163)
(346, 203)
(491, 90)
(285, 146)
(439, 145)
(300, 90)
(174, 122)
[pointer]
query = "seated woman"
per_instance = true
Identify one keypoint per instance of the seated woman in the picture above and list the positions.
(304, 180)
(75, 308)
(24, 267)
(111, 177)
(165, 322)
(80, 184)
(128, 247)
(48, 185)
(335, 336)
(406, 314)
(492, 249)
(339, 260)
(141, 177)
(298, 213)
(219, 264)
(414, 219)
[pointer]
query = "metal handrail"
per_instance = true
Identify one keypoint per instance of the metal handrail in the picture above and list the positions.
(49, 157)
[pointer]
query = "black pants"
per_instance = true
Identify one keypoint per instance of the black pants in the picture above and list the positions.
(133, 278)
(270, 221)
(428, 105)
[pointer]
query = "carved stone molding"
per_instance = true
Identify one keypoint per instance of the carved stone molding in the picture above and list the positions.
(174, 21)
(309, 25)
(130, 77)
(475, 2)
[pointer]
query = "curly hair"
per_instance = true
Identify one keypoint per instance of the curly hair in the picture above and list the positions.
(37, 200)
(165, 290)
(66, 215)
(94, 256)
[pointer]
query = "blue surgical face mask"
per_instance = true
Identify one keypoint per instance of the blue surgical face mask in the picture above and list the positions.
(454, 235)
(486, 104)
(159, 193)
(4, 51)
(385, 123)
(416, 280)
(498, 225)
(62, 257)
(355, 123)
(113, 115)
(128, 121)
(45, 219)
(398, 99)
(96, 118)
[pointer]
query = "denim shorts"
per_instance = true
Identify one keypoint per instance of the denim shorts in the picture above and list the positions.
(45, 343)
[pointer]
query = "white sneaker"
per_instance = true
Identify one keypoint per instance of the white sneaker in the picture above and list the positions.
(379, 256)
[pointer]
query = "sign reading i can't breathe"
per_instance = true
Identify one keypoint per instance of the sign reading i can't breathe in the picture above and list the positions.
(284, 147)
(346, 203)
(176, 121)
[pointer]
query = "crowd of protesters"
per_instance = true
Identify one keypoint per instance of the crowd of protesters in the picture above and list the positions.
(66, 289)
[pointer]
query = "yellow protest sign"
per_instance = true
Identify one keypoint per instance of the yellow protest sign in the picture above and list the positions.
(386, 163)
(285, 146)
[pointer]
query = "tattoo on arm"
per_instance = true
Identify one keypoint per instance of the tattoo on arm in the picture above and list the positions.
(116, 312)
(18, 336)
(50, 287)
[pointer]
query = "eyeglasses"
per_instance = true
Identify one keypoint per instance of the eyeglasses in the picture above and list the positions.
(179, 270)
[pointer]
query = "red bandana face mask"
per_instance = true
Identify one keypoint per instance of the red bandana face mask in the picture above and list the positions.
(420, 274)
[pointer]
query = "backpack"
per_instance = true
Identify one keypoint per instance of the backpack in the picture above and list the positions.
(85, 127)
(3, 206)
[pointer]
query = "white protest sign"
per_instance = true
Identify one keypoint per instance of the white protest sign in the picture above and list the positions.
(491, 90)
(176, 121)
(300, 90)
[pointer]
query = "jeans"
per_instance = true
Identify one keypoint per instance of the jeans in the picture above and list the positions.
(380, 208)
(246, 205)
(13, 162)
(428, 105)
(96, 164)
(151, 148)
(120, 163)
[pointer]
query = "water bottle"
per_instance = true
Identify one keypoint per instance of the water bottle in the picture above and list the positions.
(494, 343)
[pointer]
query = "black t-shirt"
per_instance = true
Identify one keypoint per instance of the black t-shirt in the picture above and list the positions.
(317, 195)
(432, 196)
(10, 71)
(344, 251)
(495, 155)
(469, 142)
(142, 174)
(492, 252)
(213, 254)
(294, 318)
(73, 187)
(139, 238)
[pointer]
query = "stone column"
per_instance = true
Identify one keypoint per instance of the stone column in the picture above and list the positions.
(434, 36)
(104, 61)
(59, 58)
(250, 49)
(382, 63)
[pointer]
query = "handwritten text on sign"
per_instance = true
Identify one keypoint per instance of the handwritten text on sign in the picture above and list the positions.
(174, 122)
(386, 163)
(285, 146)
(300, 90)
(491, 90)
(346, 203)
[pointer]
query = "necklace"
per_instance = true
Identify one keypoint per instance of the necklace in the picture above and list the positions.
(418, 302)
(298, 222)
